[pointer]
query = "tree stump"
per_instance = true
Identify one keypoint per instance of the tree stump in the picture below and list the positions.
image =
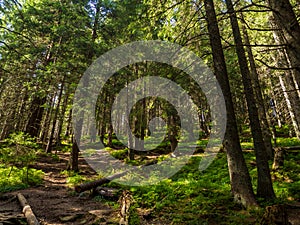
(125, 202)
(275, 215)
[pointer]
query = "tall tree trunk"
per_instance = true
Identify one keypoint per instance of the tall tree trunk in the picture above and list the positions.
(258, 94)
(288, 83)
(287, 21)
(79, 124)
(130, 142)
(61, 119)
(241, 186)
(264, 186)
(51, 137)
(34, 124)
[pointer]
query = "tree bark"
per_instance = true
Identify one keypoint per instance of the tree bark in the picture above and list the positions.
(73, 161)
(61, 119)
(264, 186)
(241, 186)
(259, 98)
(47, 120)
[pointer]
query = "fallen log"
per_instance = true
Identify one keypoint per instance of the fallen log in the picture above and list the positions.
(93, 184)
(30, 217)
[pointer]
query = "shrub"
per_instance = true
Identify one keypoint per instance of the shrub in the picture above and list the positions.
(19, 151)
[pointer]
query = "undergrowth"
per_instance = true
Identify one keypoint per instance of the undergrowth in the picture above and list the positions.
(17, 154)
(18, 179)
(203, 197)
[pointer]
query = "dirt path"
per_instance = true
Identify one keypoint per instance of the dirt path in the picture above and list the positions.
(54, 202)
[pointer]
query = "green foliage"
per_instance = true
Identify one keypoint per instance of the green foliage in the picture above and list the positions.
(203, 197)
(74, 178)
(247, 145)
(65, 146)
(190, 195)
(286, 142)
(280, 141)
(286, 182)
(134, 217)
(19, 150)
(18, 178)
(116, 143)
(119, 154)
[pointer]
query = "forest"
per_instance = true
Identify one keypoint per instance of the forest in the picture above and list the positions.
(149, 112)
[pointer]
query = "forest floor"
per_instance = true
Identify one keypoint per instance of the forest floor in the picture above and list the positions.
(54, 202)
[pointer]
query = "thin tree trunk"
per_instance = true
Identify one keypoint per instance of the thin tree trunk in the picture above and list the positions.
(79, 123)
(130, 142)
(47, 120)
(73, 161)
(20, 125)
(259, 98)
(61, 120)
(69, 124)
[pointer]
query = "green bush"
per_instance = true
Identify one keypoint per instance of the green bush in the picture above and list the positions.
(19, 150)
(18, 178)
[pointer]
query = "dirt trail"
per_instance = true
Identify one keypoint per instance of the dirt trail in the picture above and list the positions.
(53, 202)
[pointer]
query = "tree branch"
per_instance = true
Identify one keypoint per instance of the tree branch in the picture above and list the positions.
(15, 32)
(14, 50)
(274, 67)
